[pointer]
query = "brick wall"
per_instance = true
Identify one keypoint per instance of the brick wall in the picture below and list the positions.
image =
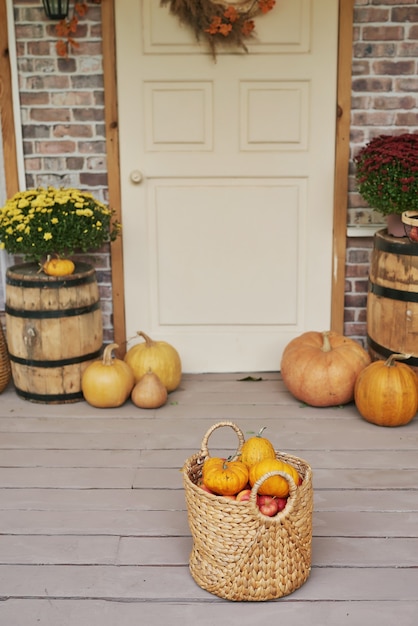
(62, 111)
(384, 101)
(63, 116)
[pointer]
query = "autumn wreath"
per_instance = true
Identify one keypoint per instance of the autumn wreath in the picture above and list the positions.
(218, 21)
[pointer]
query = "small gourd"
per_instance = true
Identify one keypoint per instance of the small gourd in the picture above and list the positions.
(108, 382)
(386, 392)
(257, 449)
(149, 392)
(275, 485)
(226, 478)
(58, 267)
(158, 356)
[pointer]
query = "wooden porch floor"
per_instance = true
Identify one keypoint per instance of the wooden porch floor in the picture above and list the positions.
(94, 529)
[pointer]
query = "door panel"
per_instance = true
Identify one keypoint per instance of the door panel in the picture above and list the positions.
(227, 182)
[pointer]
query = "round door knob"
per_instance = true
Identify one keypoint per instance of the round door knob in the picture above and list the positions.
(136, 177)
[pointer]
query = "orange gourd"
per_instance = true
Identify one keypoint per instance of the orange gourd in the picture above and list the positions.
(149, 392)
(386, 392)
(275, 485)
(320, 368)
(107, 383)
(256, 449)
(224, 477)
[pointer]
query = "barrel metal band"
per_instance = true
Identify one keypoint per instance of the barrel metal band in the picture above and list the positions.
(385, 352)
(53, 314)
(50, 284)
(58, 363)
(396, 247)
(51, 398)
(393, 294)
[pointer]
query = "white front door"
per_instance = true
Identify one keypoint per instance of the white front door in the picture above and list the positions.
(227, 182)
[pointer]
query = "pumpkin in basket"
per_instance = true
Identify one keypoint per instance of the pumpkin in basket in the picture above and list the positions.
(386, 392)
(275, 485)
(320, 368)
(224, 477)
(256, 449)
(158, 356)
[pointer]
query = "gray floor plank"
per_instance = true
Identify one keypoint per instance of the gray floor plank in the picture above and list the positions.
(94, 526)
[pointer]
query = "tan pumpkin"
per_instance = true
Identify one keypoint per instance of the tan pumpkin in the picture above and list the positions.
(107, 383)
(320, 368)
(149, 392)
(159, 357)
(275, 485)
(386, 392)
(224, 477)
(58, 267)
(257, 449)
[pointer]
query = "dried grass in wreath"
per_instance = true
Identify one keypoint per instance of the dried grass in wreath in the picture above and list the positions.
(219, 22)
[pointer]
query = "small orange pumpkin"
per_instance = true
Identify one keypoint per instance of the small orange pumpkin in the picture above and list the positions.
(58, 266)
(386, 392)
(321, 368)
(256, 449)
(226, 478)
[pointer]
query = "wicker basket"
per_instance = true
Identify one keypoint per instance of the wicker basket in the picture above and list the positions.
(4, 362)
(238, 553)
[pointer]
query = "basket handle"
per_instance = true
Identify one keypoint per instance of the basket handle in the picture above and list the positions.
(290, 500)
(204, 450)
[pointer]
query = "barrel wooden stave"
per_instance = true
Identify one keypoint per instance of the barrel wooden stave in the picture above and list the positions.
(392, 300)
(54, 330)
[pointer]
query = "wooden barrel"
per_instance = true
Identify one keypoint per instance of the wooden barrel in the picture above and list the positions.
(392, 300)
(54, 330)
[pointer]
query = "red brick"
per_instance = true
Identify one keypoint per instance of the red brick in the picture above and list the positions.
(405, 14)
(72, 130)
(55, 147)
(383, 33)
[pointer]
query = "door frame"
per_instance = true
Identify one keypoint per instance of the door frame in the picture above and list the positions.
(342, 150)
(7, 120)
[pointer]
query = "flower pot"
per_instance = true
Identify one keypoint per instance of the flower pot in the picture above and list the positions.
(54, 329)
(395, 225)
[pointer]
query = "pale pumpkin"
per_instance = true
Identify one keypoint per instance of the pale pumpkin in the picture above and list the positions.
(107, 383)
(256, 449)
(58, 267)
(320, 368)
(386, 392)
(149, 392)
(158, 356)
(275, 485)
(224, 477)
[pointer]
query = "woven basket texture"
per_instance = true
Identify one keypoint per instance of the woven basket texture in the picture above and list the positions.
(5, 372)
(238, 553)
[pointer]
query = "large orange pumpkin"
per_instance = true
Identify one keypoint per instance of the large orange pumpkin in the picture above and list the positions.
(158, 356)
(320, 368)
(386, 392)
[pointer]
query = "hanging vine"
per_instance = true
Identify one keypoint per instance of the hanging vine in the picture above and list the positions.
(219, 22)
(67, 28)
